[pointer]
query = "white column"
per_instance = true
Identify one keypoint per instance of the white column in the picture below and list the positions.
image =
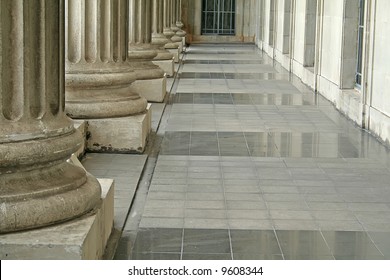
(174, 41)
(99, 77)
(150, 78)
(181, 33)
(173, 18)
(38, 187)
(164, 58)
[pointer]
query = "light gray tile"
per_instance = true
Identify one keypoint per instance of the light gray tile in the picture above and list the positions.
(246, 224)
(202, 223)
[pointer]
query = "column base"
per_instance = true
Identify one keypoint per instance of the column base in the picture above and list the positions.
(153, 90)
(119, 135)
(83, 238)
(166, 65)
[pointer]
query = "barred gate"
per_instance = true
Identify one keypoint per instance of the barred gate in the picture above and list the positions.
(218, 17)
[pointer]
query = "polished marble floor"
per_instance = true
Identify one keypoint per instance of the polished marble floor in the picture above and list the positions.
(254, 165)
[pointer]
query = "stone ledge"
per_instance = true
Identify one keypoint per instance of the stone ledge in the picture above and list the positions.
(166, 65)
(82, 238)
(176, 54)
(153, 90)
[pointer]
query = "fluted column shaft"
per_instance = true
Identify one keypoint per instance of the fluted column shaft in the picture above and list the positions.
(168, 32)
(37, 185)
(158, 36)
(179, 23)
(173, 15)
(169, 28)
(140, 30)
(175, 38)
(98, 75)
(141, 52)
(140, 21)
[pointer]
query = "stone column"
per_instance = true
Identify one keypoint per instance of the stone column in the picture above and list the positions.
(173, 18)
(38, 187)
(181, 33)
(173, 15)
(150, 78)
(99, 77)
(164, 58)
(173, 44)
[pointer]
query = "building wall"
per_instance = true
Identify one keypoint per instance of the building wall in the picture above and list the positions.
(378, 76)
(322, 51)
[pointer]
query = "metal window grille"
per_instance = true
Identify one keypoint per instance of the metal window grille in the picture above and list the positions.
(218, 17)
(359, 66)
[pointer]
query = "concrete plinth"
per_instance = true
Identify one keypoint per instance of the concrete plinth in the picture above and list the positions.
(153, 90)
(119, 135)
(82, 238)
(166, 65)
(176, 54)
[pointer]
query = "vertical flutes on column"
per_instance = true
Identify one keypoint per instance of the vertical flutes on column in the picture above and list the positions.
(38, 187)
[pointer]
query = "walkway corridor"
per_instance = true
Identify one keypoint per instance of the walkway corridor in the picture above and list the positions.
(254, 165)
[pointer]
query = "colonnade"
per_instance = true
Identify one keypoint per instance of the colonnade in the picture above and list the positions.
(82, 59)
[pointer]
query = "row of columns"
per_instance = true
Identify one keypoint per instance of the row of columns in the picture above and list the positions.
(78, 58)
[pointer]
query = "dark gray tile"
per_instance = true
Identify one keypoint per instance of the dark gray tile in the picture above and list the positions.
(154, 256)
(359, 257)
(251, 256)
(192, 256)
(302, 243)
(157, 240)
(352, 245)
(308, 257)
(260, 242)
(206, 241)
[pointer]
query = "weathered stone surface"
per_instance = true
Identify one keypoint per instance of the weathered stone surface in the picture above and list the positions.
(166, 65)
(82, 238)
(142, 52)
(98, 75)
(153, 90)
(168, 25)
(120, 135)
(38, 187)
(163, 58)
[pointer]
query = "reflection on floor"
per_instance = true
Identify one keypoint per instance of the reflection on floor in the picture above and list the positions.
(254, 165)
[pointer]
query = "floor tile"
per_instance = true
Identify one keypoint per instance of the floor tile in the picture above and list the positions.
(157, 240)
(197, 241)
(247, 150)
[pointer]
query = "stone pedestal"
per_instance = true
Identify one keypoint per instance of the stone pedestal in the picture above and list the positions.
(154, 90)
(120, 135)
(166, 65)
(84, 238)
(150, 78)
(98, 73)
(38, 187)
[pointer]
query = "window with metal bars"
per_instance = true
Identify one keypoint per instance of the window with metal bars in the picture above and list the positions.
(359, 66)
(218, 17)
